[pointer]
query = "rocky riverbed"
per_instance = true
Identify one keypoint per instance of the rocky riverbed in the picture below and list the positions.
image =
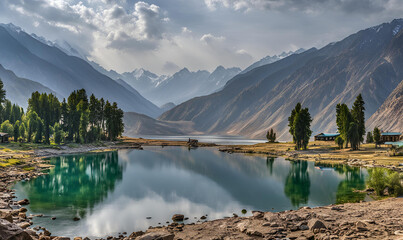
(368, 220)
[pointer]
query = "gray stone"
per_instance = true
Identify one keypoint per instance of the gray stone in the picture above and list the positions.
(12, 231)
(315, 224)
(178, 217)
(157, 236)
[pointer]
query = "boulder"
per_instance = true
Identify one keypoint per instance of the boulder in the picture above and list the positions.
(7, 215)
(23, 202)
(361, 226)
(315, 224)
(22, 209)
(136, 234)
(257, 214)
(203, 217)
(12, 231)
(24, 225)
(156, 236)
(178, 217)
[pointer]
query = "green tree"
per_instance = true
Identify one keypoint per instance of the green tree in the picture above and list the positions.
(48, 108)
(2, 92)
(32, 124)
(358, 114)
(271, 136)
(339, 141)
(343, 120)
(301, 126)
(7, 127)
(16, 130)
(22, 130)
(354, 136)
(7, 110)
(380, 178)
(377, 136)
(82, 108)
(370, 138)
(59, 134)
(39, 131)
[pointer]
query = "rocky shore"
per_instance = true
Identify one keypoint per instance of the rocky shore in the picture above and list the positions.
(368, 220)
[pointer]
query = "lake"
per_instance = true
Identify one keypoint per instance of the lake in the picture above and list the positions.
(222, 140)
(130, 190)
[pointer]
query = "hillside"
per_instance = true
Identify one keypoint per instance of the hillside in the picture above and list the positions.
(389, 117)
(30, 58)
(18, 90)
(367, 62)
(140, 124)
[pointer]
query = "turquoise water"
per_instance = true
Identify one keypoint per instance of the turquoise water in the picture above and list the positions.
(117, 191)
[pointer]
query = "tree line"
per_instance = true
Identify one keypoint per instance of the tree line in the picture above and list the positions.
(78, 119)
(350, 124)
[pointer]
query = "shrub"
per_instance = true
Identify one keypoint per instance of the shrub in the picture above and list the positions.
(380, 178)
(377, 180)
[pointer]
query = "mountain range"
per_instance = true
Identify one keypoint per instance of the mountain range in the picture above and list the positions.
(34, 59)
(181, 86)
(19, 89)
(367, 62)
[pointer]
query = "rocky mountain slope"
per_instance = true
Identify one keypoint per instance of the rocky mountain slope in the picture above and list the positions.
(367, 62)
(271, 59)
(389, 117)
(139, 124)
(18, 90)
(31, 58)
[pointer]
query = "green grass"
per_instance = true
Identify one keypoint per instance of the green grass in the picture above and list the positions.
(9, 162)
(28, 168)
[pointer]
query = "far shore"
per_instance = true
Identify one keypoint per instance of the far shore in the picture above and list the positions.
(25, 161)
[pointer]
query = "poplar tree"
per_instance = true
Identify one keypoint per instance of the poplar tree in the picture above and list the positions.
(377, 136)
(359, 116)
(300, 126)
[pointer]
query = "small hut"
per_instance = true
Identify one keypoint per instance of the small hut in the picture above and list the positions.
(326, 136)
(390, 137)
(4, 137)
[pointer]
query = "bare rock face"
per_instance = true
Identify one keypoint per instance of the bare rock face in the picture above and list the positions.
(12, 231)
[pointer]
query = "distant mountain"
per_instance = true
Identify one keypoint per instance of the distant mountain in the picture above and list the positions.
(168, 106)
(18, 90)
(31, 58)
(389, 117)
(145, 81)
(138, 124)
(271, 59)
(368, 62)
(177, 88)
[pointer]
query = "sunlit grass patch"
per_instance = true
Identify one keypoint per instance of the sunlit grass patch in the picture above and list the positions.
(9, 162)
(28, 168)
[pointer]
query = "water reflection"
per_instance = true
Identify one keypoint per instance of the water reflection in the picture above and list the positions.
(115, 192)
(76, 184)
(297, 183)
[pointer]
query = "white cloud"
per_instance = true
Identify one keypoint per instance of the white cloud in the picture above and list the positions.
(309, 6)
(211, 39)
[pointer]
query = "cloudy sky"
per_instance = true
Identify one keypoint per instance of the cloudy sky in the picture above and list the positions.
(166, 35)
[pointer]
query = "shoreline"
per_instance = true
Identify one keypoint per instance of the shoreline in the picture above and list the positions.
(12, 211)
